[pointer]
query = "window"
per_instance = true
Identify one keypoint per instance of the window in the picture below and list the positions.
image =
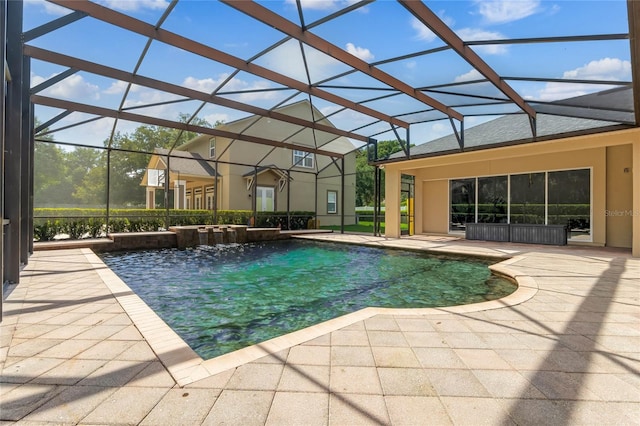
(546, 198)
(303, 159)
(265, 197)
(492, 199)
(332, 202)
(527, 198)
(570, 201)
(463, 203)
(212, 148)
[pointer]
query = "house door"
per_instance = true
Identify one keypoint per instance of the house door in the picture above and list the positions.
(407, 194)
(265, 199)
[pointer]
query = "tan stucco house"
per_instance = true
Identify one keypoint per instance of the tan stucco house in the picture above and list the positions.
(578, 171)
(231, 174)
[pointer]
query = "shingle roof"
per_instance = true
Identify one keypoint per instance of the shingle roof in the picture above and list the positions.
(187, 163)
(516, 127)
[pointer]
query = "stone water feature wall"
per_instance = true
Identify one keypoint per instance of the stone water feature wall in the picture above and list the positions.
(191, 236)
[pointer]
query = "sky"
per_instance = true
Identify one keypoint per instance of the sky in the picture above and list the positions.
(373, 33)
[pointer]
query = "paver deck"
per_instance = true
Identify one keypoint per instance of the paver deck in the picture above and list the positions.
(78, 347)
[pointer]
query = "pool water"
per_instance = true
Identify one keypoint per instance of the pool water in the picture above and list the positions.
(226, 297)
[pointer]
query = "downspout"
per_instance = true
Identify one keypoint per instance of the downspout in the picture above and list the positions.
(289, 200)
(107, 204)
(215, 193)
(342, 198)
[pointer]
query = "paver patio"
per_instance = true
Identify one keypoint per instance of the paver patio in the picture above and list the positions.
(78, 347)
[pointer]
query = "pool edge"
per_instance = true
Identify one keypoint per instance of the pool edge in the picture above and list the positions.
(187, 367)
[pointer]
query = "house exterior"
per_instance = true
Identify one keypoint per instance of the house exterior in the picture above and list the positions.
(588, 179)
(224, 174)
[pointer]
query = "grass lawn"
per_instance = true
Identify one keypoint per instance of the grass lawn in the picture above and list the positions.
(366, 227)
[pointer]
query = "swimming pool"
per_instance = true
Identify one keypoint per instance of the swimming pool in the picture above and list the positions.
(226, 297)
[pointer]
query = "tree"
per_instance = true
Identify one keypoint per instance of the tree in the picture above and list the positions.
(365, 190)
(130, 154)
(50, 178)
(50, 183)
(80, 163)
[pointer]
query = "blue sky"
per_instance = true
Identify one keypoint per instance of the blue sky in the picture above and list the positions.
(374, 33)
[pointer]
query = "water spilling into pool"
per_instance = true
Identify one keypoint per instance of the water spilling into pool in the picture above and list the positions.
(226, 297)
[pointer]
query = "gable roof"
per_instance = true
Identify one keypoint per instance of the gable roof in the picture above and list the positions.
(303, 110)
(187, 163)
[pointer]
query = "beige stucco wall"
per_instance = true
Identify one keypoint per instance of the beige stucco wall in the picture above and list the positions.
(619, 195)
(240, 157)
(579, 152)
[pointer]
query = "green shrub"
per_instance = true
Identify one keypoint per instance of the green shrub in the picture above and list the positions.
(46, 230)
(79, 222)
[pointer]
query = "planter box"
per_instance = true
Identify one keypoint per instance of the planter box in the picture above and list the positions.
(487, 231)
(518, 233)
(539, 234)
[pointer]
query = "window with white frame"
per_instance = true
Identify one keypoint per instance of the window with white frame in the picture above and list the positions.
(332, 202)
(212, 148)
(303, 159)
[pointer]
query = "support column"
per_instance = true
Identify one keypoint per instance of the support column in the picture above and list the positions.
(636, 200)
(26, 176)
(5, 78)
(418, 227)
(180, 194)
(392, 203)
(151, 197)
(13, 144)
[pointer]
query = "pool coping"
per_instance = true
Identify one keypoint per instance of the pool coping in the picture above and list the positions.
(186, 366)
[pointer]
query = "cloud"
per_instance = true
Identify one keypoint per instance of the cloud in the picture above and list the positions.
(208, 85)
(118, 88)
(133, 5)
(360, 52)
(49, 8)
(602, 69)
(469, 76)
(74, 87)
(423, 32)
(316, 4)
(473, 34)
(287, 60)
(504, 11)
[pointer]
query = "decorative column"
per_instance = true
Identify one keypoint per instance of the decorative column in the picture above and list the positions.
(151, 197)
(392, 202)
(180, 194)
(636, 199)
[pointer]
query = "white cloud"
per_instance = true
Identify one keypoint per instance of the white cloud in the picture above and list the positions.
(504, 11)
(118, 88)
(411, 65)
(74, 87)
(208, 85)
(133, 5)
(473, 34)
(217, 117)
(360, 52)
(287, 60)
(423, 32)
(469, 76)
(603, 69)
(49, 8)
(317, 4)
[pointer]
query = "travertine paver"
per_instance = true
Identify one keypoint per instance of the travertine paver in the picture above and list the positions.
(78, 347)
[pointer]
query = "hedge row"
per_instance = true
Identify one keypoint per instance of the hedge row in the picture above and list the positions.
(555, 209)
(80, 223)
